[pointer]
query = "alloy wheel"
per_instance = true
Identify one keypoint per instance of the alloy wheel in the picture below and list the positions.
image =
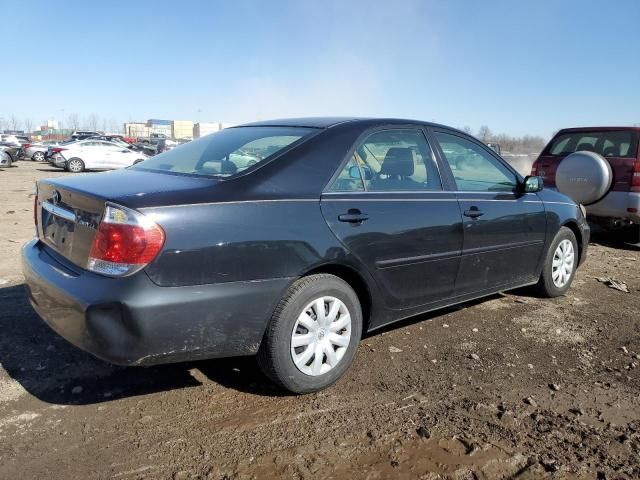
(75, 166)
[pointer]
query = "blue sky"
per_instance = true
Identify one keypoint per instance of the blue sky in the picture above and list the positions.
(525, 67)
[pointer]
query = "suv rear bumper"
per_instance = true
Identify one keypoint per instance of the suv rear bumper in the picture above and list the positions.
(617, 205)
(132, 321)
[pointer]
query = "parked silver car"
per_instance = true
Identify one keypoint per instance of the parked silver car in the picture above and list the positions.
(38, 151)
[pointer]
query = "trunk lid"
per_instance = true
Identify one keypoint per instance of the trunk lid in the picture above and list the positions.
(67, 221)
(69, 209)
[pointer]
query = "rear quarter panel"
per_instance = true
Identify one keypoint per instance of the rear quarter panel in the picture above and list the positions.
(241, 241)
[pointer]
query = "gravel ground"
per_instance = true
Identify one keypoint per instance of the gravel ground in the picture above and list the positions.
(508, 387)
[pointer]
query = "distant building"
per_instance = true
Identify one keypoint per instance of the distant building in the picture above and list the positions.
(46, 133)
(182, 129)
(205, 128)
(53, 124)
(160, 126)
(136, 129)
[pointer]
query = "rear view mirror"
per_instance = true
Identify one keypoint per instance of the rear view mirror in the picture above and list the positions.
(532, 184)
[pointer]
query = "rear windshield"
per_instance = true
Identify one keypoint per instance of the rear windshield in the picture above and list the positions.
(615, 143)
(227, 152)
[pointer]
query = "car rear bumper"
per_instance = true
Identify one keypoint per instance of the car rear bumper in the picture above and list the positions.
(623, 205)
(57, 160)
(132, 321)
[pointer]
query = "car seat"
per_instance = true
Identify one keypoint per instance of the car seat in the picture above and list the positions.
(397, 168)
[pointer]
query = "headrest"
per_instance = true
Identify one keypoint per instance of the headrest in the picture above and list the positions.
(586, 147)
(611, 152)
(398, 161)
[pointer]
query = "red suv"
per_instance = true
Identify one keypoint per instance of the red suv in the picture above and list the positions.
(598, 167)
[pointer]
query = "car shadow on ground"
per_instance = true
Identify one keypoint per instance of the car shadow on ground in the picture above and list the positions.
(616, 240)
(54, 371)
(50, 169)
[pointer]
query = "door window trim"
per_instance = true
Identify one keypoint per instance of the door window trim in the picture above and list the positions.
(381, 128)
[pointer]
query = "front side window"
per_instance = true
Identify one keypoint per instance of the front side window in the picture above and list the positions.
(397, 160)
(227, 152)
(474, 169)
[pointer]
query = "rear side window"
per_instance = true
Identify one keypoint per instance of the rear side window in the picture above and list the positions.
(616, 143)
(396, 160)
(228, 152)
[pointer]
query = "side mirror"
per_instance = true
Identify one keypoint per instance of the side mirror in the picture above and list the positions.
(354, 172)
(532, 184)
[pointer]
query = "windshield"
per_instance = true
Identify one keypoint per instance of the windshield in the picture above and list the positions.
(227, 152)
(612, 143)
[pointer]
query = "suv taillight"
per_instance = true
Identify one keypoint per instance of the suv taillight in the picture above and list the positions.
(635, 177)
(534, 167)
(126, 242)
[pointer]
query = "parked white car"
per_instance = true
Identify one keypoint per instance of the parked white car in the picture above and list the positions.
(95, 155)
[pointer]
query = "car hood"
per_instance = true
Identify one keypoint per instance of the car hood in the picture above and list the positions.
(139, 189)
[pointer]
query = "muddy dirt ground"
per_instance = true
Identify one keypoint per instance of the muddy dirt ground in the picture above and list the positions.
(509, 387)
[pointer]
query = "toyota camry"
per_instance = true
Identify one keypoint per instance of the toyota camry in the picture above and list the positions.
(289, 239)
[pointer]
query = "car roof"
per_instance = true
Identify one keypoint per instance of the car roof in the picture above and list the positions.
(600, 129)
(328, 122)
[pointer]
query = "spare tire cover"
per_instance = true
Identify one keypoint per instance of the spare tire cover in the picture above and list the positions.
(586, 177)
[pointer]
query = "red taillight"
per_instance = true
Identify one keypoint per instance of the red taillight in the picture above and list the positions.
(126, 241)
(35, 209)
(26, 145)
(635, 177)
(534, 168)
(57, 149)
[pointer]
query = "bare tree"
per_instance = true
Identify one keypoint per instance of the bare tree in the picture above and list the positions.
(73, 121)
(2, 124)
(113, 126)
(484, 134)
(104, 125)
(28, 125)
(14, 122)
(92, 122)
(467, 129)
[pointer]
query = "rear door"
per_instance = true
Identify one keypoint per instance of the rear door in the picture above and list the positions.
(388, 208)
(89, 152)
(504, 230)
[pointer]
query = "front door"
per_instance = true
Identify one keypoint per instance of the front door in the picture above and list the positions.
(504, 230)
(388, 208)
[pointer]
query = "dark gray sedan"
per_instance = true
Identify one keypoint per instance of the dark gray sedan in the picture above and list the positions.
(339, 227)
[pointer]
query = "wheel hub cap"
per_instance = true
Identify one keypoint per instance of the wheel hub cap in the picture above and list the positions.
(563, 263)
(321, 336)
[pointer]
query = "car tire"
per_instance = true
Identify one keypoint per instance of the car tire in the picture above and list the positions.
(560, 264)
(296, 309)
(75, 165)
(37, 157)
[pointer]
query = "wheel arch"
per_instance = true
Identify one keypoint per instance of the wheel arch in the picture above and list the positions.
(356, 280)
(573, 226)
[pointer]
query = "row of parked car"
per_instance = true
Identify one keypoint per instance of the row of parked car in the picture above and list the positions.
(82, 150)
